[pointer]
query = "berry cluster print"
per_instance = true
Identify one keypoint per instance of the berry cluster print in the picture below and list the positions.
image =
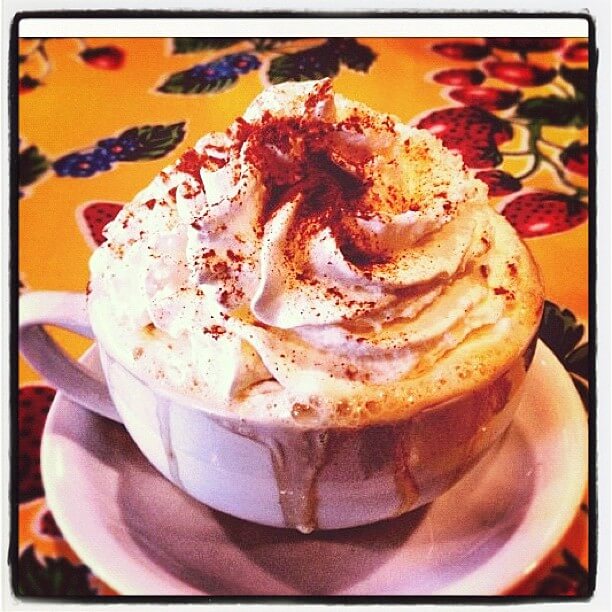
(210, 77)
(281, 59)
(145, 142)
(500, 92)
(136, 143)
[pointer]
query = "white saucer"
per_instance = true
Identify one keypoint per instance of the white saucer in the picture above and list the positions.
(143, 536)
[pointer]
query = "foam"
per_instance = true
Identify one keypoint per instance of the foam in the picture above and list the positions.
(364, 285)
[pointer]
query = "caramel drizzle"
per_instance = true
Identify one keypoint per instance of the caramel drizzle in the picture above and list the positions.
(406, 488)
(296, 471)
(163, 417)
(297, 459)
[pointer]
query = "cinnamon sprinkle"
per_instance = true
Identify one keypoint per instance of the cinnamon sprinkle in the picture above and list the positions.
(214, 330)
(350, 372)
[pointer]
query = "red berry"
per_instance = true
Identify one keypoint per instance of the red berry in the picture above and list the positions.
(459, 77)
(520, 73)
(541, 213)
(106, 58)
(525, 45)
(34, 404)
(462, 51)
(93, 218)
(578, 52)
(486, 97)
(27, 84)
(557, 585)
(471, 131)
(576, 158)
(499, 182)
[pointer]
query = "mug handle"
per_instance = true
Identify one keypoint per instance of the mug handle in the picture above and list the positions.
(69, 311)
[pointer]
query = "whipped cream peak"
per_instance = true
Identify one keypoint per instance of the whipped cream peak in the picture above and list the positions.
(360, 187)
(308, 99)
(319, 240)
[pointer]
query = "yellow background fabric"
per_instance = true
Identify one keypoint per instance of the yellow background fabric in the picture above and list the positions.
(79, 104)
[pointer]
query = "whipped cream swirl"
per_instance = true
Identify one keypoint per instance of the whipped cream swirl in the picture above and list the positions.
(314, 247)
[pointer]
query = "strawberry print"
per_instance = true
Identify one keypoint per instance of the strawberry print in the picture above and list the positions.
(578, 52)
(488, 98)
(558, 585)
(520, 73)
(104, 58)
(568, 579)
(462, 50)
(541, 213)
(477, 131)
(92, 217)
(471, 131)
(459, 77)
(500, 183)
(576, 158)
(525, 45)
(33, 405)
(38, 59)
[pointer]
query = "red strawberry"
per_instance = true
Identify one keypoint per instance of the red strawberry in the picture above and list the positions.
(461, 50)
(499, 182)
(558, 584)
(106, 58)
(520, 73)
(471, 131)
(525, 45)
(486, 97)
(47, 525)
(576, 158)
(459, 77)
(27, 84)
(578, 52)
(541, 213)
(34, 404)
(92, 217)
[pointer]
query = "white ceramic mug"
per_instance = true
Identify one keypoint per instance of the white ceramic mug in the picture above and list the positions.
(270, 472)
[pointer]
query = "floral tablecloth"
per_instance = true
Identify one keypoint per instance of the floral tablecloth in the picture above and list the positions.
(99, 117)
